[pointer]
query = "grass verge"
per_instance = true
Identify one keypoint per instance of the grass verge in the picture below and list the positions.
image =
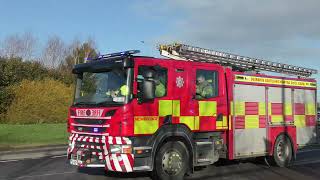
(20, 136)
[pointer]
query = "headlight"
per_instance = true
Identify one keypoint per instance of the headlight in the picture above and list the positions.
(125, 149)
(115, 149)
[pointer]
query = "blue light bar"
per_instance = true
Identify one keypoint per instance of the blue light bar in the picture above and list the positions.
(123, 53)
(105, 56)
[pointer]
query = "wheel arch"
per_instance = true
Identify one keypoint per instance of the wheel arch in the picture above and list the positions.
(287, 135)
(173, 132)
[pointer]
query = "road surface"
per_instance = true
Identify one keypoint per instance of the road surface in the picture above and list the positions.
(306, 167)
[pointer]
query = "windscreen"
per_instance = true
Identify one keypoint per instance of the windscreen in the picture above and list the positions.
(105, 88)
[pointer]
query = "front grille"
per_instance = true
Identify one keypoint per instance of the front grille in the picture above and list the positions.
(91, 121)
(90, 145)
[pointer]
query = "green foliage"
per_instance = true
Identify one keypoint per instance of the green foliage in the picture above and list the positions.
(6, 97)
(40, 89)
(41, 101)
(77, 56)
(63, 76)
(14, 70)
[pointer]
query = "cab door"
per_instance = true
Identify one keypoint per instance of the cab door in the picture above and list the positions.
(209, 97)
(147, 117)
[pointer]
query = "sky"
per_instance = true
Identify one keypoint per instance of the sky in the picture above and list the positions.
(284, 31)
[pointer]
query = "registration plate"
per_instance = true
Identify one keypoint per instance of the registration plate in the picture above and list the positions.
(74, 162)
(76, 159)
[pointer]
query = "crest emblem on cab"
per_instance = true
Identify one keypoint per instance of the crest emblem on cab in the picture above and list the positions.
(179, 82)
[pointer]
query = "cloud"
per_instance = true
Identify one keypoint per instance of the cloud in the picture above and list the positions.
(285, 31)
(273, 28)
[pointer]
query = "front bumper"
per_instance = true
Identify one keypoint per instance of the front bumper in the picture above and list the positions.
(94, 151)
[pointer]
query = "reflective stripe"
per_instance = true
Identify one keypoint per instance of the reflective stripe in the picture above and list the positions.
(262, 108)
(165, 107)
(110, 140)
(275, 81)
(222, 124)
(108, 163)
(287, 109)
(196, 123)
(145, 124)
(239, 109)
(207, 108)
(176, 108)
(118, 140)
(299, 109)
(247, 114)
(126, 162)
(310, 108)
(277, 119)
(251, 121)
(231, 108)
(300, 120)
(269, 109)
(189, 121)
(116, 163)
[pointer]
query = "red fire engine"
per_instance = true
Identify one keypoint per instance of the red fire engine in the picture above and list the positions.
(135, 113)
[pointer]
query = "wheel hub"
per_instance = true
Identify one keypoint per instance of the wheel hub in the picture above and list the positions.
(282, 151)
(172, 162)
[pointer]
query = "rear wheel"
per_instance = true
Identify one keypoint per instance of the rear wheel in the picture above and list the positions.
(282, 152)
(171, 161)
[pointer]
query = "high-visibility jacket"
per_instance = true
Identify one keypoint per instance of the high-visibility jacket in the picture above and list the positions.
(124, 90)
(204, 90)
(160, 90)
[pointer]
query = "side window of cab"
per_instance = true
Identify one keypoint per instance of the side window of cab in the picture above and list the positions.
(160, 78)
(207, 84)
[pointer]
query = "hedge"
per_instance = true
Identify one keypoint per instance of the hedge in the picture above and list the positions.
(39, 101)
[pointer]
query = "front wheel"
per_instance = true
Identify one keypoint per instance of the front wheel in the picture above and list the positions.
(171, 161)
(282, 152)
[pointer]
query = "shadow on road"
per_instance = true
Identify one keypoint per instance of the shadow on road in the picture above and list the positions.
(255, 168)
(102, 172)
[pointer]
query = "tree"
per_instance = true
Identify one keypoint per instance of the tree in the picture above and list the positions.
(54, 52)
(79, 52)
(19, 46)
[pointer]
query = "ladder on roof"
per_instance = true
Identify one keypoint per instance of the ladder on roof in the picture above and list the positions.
(243, 63)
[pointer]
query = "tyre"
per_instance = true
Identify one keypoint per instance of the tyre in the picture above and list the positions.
(171, 162)
(282, 152)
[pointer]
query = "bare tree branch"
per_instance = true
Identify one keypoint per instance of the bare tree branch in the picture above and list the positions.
(54, 52)
(16, 45)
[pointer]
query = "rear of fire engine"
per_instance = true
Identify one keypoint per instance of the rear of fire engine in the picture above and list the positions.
(134, 113)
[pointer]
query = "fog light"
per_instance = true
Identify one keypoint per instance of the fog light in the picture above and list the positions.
(127, 149)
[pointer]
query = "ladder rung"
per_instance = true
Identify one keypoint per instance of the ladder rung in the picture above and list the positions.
(191, 53)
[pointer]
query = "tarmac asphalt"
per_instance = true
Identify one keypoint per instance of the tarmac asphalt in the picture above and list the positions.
(307, 166)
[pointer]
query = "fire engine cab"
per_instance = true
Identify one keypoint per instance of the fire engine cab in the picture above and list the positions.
(134, 113)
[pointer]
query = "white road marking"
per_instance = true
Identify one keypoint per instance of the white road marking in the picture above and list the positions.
(58, 156)
(41, 175)
(309, 150)
(298, 163)
(13, 160)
